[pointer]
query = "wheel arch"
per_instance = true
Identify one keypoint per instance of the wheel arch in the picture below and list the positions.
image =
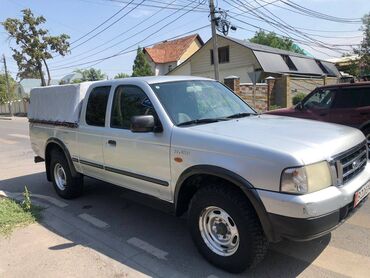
(55, 143)
(190, 181)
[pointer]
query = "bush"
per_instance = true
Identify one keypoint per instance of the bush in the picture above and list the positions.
(274, 107)
(298, 98)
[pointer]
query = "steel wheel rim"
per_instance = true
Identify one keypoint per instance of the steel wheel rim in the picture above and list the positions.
(60, 176)
(219, 231)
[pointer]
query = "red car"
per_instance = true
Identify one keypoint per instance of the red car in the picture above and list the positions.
(347, 104)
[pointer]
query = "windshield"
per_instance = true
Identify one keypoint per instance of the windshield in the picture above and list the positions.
(191, 101)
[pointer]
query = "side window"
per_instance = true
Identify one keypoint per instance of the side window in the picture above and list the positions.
(97, 106)
(322, 99)
(129, 101)
(352, 98)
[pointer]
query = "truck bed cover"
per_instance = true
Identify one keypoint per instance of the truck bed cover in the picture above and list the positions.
(58, 105)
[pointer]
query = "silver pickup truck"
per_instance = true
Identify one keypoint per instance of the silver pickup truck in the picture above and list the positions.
(190, 143)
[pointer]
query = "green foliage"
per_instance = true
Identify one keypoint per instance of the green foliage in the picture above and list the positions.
(90, 75)
(274, 107)
(141, 66)
(26, 203)
(364, 49)
(298, 98)
(13, 214)
(272, 40)
(35, 45)
(121, 75)
(3, 90)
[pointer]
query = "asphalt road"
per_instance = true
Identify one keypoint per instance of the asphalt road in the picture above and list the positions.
(158, 244)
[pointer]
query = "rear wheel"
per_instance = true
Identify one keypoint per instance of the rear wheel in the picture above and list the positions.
(65, 185)
(225, 228)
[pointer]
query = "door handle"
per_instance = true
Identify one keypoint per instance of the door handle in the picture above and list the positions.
(112, 143)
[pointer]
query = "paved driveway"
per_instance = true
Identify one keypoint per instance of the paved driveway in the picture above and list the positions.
(156, 244)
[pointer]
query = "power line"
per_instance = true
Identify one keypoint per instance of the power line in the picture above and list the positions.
(319, 14)
(123, 51)
(119, 35)
(99, 25)
(110, 25)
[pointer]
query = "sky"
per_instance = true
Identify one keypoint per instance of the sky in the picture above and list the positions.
(146, 25)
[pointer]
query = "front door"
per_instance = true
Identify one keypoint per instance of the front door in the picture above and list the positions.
(139, 161)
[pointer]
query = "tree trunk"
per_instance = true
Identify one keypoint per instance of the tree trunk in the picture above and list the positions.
(48, 72)
(39, 67)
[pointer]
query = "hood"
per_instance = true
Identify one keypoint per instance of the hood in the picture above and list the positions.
(307, 140)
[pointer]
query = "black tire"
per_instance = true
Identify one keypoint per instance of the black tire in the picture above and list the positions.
(74, 186)
(253, 244)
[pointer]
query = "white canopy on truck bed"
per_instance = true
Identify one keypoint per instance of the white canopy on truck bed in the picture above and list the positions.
(57, 104)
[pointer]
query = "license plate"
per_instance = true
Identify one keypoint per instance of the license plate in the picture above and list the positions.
(362, 193)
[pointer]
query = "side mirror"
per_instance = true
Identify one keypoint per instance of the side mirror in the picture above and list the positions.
(143, 123)
(299, 106)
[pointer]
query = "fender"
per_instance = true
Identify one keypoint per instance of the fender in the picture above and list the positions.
(243, 184)
(63, 147)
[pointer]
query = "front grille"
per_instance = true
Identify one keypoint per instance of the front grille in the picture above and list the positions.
(351, 163)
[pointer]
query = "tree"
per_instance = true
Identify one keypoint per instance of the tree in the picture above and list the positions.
(121, 75)
(271, 39)
(90, 75)
(141, 66)
(364, 50)
(35, 44)
(3, 90)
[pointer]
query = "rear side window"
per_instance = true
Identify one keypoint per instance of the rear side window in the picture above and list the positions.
(97, 106)
(129, 101)
(352, 98)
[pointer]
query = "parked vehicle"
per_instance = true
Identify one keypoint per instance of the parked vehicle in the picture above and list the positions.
(347, 104)
(190, 143)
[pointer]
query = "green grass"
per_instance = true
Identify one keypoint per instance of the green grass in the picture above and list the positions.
(13, 215)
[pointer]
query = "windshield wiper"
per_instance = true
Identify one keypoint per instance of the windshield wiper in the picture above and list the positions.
(202, 121)
(240, 115)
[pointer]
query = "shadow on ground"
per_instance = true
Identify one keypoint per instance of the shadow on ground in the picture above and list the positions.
(128, 220)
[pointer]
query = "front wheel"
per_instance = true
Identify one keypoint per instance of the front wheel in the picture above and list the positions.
(225, 228)
(66, 186)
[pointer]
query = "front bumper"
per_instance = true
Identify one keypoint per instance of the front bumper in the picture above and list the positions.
(304, 217)
(301, 229)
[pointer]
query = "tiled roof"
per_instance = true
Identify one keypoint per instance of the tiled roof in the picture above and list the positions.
(170, 51)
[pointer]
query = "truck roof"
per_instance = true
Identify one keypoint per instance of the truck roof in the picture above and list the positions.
(155, 79)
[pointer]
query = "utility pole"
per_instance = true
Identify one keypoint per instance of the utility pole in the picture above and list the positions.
(7, 86)
(214, 39)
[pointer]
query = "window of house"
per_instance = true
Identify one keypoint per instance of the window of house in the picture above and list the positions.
(129, 101)
(97, 106)
(223, 55)
(289, 62)
(324, 70)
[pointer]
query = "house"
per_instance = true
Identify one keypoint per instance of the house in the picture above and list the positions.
(167, 55)
(252, 62)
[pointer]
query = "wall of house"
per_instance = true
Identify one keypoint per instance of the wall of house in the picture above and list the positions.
(194, 46)
(242, 61)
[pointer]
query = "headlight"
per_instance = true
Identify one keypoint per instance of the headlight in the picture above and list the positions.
(306, 179)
